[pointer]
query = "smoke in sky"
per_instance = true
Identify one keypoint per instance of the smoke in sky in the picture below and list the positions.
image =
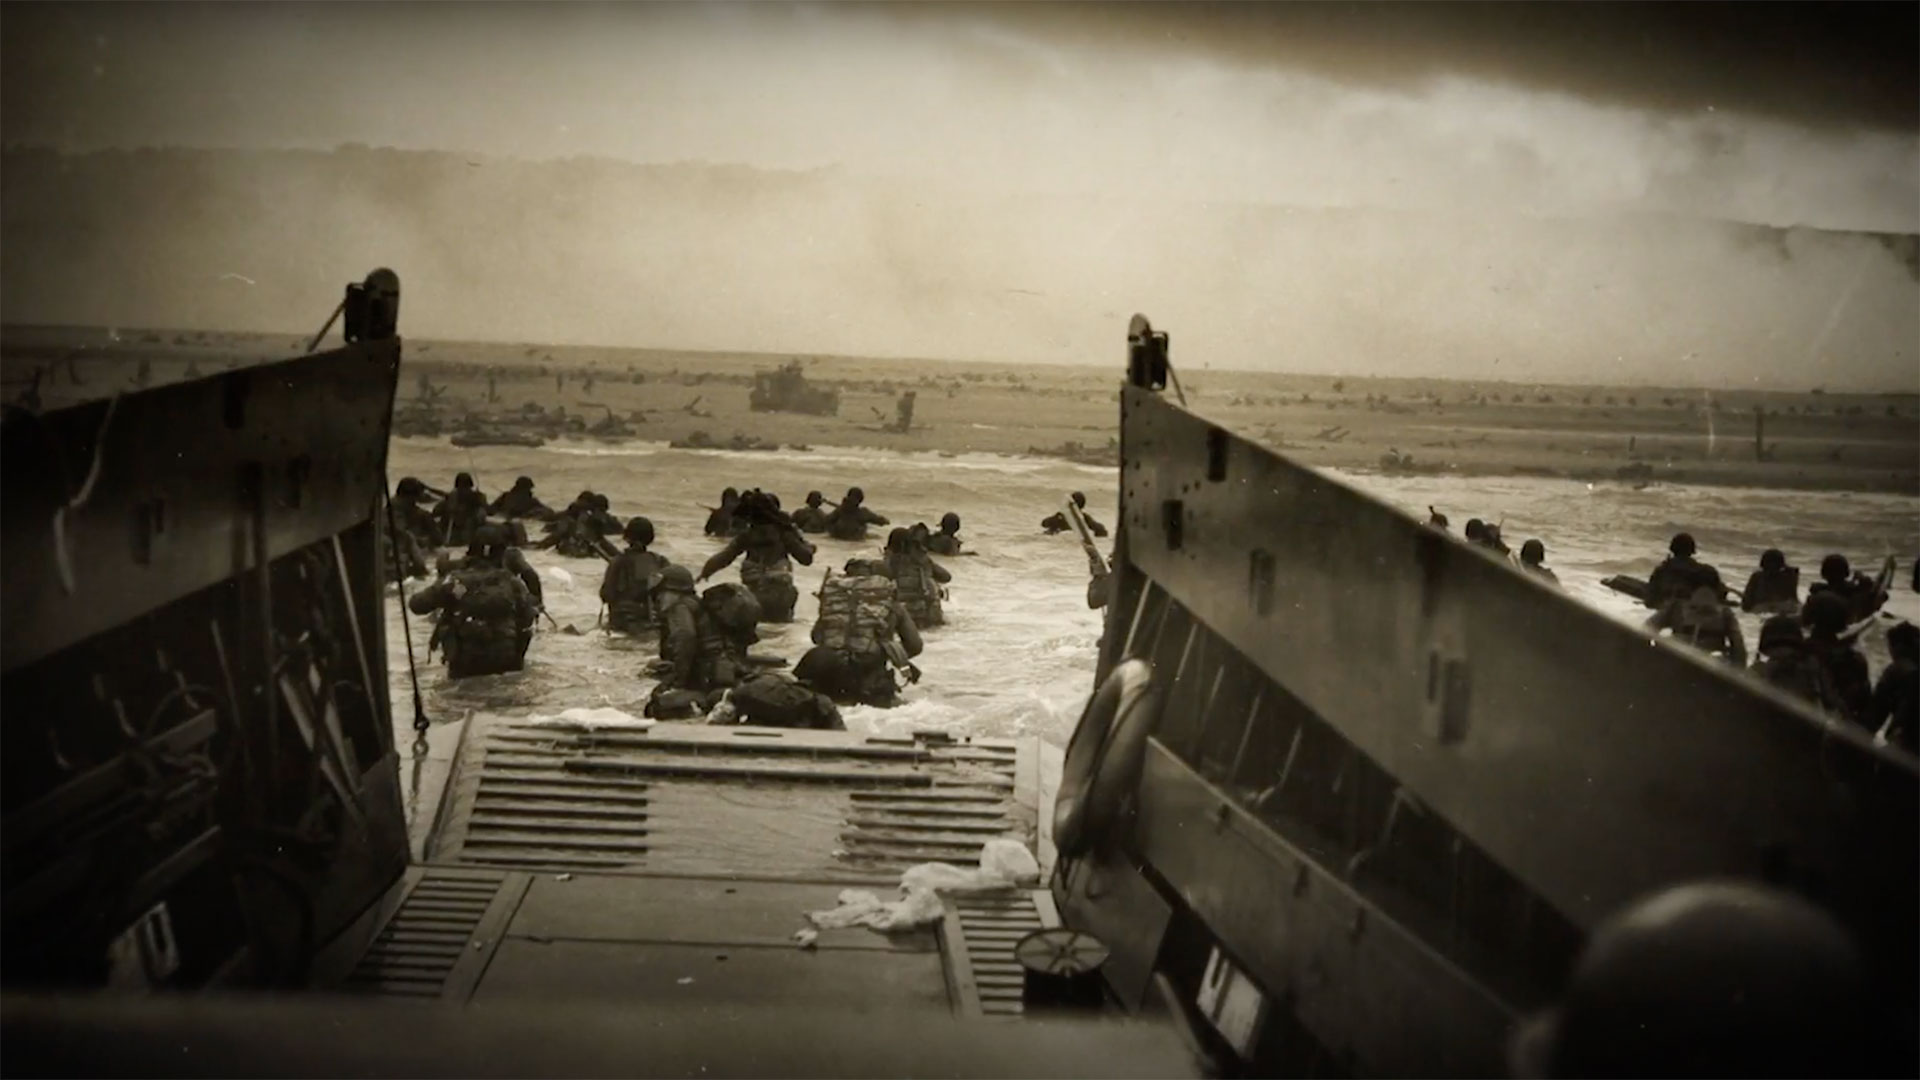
(996, 182)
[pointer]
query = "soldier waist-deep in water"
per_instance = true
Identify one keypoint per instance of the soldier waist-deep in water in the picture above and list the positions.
(627, 588)
(771, 545)
(766, 543)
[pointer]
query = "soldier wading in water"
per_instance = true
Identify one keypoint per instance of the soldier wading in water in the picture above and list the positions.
(770, 543)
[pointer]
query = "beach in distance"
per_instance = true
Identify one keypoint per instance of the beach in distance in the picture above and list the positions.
(1807, 439)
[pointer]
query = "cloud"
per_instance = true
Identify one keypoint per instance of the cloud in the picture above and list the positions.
(1006, 182)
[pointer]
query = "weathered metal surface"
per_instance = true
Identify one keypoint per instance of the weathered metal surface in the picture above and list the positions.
(703, 799)
(736, 977)
(1106, 895)
(684, 1032)
(161, 488)
(1591, 763)
(722, 912)
(1397, 780)
(438, 942)
(1368, 987)
(977, 936)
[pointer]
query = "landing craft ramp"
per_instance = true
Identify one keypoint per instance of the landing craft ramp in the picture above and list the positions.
(676, 863)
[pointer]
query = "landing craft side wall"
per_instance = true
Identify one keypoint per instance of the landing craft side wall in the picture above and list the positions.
(194, 740)
(167, 514)
(1592, 762)
(1381, 746)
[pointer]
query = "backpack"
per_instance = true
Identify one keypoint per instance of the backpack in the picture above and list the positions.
(774, 700)
(489, 593)
(856, 613)
(733, 608)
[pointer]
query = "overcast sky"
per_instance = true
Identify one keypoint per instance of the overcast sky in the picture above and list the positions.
(1506, 110)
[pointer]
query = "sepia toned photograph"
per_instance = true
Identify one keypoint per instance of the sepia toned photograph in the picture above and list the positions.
(959, 539)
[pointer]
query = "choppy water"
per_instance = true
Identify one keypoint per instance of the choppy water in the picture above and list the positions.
(1017, 654)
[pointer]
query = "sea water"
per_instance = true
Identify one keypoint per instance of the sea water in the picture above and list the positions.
(1017, 654)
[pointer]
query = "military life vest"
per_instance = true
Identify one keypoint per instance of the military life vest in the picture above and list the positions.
(757, 574)
(856, 613)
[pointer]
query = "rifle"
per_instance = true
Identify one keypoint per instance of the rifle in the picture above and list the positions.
(1095, 560)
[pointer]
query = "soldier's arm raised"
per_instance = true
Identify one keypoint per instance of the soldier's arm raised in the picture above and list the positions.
(722, 559)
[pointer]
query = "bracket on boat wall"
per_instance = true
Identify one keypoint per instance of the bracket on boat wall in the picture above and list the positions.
(1146, 355)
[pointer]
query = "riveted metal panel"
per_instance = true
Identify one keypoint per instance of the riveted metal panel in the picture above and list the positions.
(1589, 761)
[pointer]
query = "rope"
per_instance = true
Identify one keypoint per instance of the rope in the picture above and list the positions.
(420, 721)
(1175, 376)
(63, 562)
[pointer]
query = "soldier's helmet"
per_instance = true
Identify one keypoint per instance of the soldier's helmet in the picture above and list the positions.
(674, 579)
(1720, 978)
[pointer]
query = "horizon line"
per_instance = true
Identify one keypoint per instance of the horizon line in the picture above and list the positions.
(1118, 363)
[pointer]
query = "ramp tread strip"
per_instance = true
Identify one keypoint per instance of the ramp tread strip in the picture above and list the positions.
(500, 807)
(516, 743)
(985, 828)
(716, 770)
(561, 862)
(415, 953)
(944, 794)
(542, 826)
(528, 811)
(986, 928)
(576, 844)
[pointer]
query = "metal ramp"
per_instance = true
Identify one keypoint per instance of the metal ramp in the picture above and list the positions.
(727, 800)
(434, 944)
(978, 937)
(675, 865)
